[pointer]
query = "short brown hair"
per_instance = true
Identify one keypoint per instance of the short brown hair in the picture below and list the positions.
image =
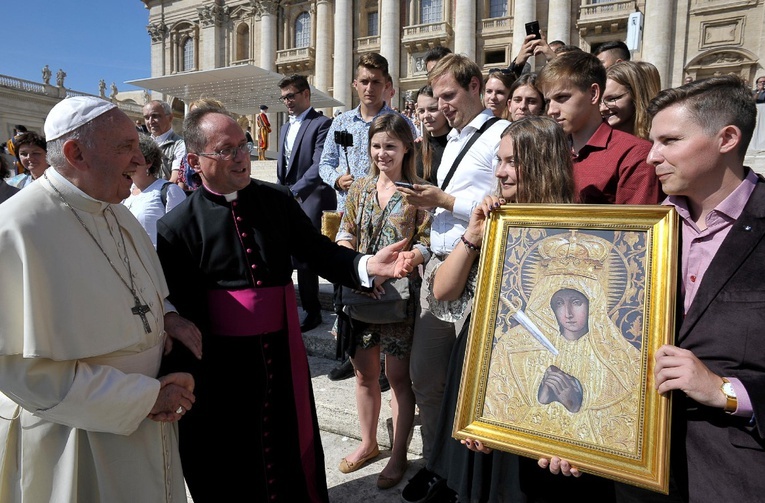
(579, 68)
(28, 138)
(374, 61)
(462, 68)
(299, 82)
(714, 103)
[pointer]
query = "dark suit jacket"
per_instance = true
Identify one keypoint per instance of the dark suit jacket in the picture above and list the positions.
(302, 174)
(725, 329)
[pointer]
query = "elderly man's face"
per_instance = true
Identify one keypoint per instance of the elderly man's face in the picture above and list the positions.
(156, 120)
(219, 174)
(113, 160)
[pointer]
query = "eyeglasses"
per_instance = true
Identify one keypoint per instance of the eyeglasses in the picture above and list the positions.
(289, 97)
(610, 102)
(229, 153)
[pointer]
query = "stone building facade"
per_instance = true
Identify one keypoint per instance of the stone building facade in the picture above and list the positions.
(323, 38)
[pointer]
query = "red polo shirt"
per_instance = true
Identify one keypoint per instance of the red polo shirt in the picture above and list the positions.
(612, 168)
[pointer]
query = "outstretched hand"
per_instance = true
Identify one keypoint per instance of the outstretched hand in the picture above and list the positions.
(392, 261)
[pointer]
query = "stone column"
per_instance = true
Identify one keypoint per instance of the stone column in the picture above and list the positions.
(267, 11)
(658, 25)
(525, 12)
(558, 21)
(323, 46)
(464, 28)
(390, 40)
(158, 33)
(342, 74)
(211, 18)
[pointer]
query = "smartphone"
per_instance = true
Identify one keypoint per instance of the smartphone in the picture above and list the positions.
(532, 28)
(406, 185)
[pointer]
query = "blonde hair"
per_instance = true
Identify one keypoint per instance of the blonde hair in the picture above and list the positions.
(643, 83)
(207, 103)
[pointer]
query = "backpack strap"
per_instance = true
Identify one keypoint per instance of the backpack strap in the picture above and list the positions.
(163, 193)
(486, 125)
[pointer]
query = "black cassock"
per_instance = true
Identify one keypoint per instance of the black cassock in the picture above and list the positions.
(252, 434)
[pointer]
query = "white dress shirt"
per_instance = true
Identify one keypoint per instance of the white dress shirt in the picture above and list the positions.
(472, 180)
(291, 136)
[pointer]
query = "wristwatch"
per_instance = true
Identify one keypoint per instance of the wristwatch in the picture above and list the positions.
(731, 403)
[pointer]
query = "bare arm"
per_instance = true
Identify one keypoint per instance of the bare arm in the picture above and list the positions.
(452, 275)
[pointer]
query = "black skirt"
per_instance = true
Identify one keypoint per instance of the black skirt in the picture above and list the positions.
(499, 477)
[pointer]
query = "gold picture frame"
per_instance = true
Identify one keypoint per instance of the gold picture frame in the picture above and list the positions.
(574, 302)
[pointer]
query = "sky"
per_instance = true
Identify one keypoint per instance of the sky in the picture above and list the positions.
(89, 40)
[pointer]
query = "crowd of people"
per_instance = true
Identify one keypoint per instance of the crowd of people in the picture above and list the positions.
(147, 283)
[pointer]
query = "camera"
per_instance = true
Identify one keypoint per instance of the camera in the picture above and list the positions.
(344, 138)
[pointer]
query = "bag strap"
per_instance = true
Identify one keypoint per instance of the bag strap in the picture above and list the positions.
(378, 229)
(163, 193)
(473, 138)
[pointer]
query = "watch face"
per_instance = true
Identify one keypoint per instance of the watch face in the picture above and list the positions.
(727, 388)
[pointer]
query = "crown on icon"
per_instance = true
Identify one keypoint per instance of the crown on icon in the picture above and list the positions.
(574, 254)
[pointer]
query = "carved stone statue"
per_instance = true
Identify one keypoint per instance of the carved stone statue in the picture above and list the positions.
(113, 95)
(46, 75)
(102, 88)
(60, 77)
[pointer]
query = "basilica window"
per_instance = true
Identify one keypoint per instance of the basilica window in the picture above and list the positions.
(303, 30)
(497, 8)
(188, 55)
(431, 11)
(373, 24)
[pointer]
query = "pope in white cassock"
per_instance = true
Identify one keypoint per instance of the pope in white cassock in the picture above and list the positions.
(83, 416)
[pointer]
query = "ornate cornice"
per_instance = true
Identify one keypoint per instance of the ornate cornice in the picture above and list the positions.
(213, 15)
(265, 7)
(721, 58)
(157, 31)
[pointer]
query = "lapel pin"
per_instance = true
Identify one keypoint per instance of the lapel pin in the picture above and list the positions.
(747, 227)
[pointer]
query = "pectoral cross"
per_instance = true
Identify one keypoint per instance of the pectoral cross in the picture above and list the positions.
(141, 310)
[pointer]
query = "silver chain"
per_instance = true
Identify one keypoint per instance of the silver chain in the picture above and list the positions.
(131, 286)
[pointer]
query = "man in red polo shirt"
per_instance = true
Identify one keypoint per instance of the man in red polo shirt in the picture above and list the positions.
(609, 165)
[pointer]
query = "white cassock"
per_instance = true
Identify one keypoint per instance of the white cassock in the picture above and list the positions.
(77, 368)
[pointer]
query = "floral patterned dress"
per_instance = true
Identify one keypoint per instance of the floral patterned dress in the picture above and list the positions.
(370, 227)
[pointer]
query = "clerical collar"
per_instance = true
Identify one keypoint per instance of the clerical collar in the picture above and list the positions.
(229, 197)
(59, 178)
